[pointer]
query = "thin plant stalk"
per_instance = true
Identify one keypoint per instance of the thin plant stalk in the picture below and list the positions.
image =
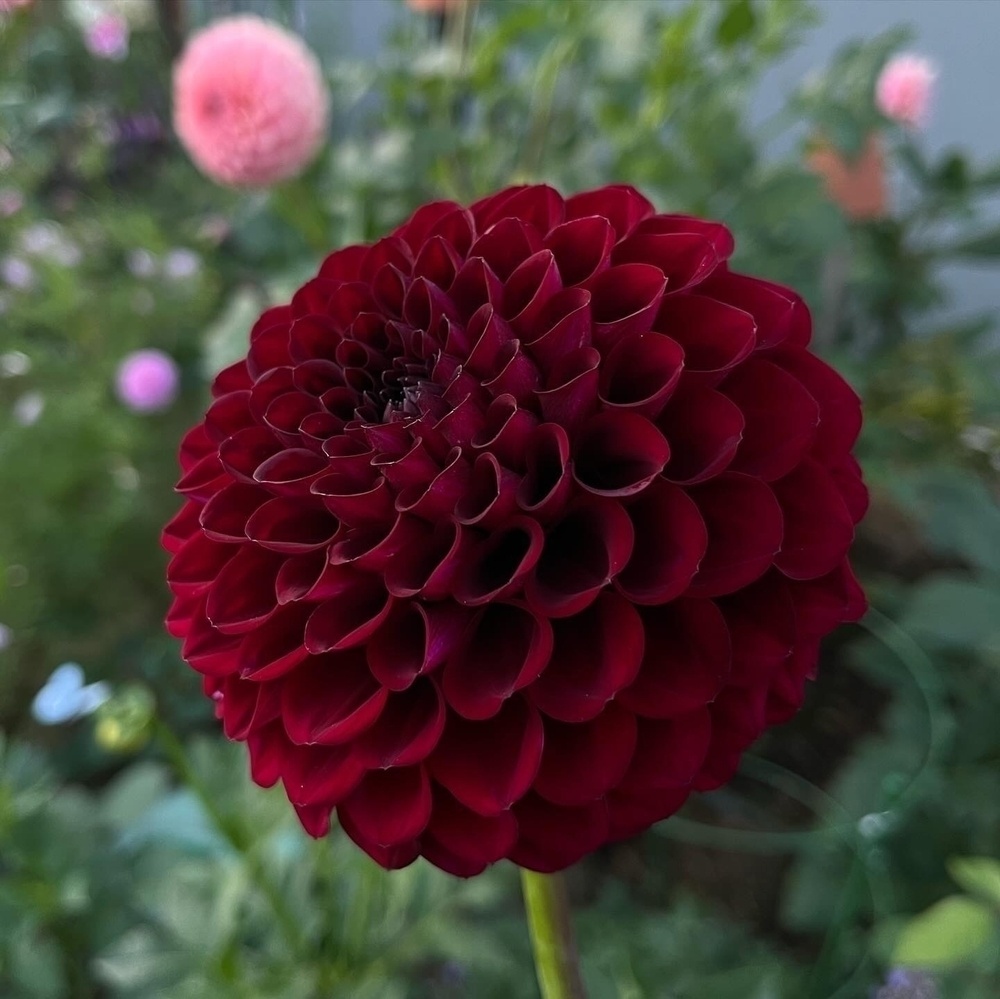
(550, 925)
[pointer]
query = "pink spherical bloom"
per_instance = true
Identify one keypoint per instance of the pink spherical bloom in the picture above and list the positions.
(903, 90)
(250, 103)
(107, 37)
(147, 380)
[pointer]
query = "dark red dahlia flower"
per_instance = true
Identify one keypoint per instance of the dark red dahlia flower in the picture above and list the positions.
(515, 528)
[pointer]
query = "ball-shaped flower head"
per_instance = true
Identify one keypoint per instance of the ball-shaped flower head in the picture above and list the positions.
(515, 528)
(250, 103)
(904, 88)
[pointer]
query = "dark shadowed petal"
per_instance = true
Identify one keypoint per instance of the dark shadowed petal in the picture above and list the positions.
(704, 429)
(488, 765)
(197, 563)
(631, 814)
(847, 475)
(463, 843)
(548, 481)
(529, 288)
(744, 532)
(507, 430)
(235, 378)
(781, 418)
(761, 621)
(670, 542)
(625, 300)
(668, 752)
(582, 554)
(207, 650)
(415, 639)
(181, 526)
(490, 495)
(618, 453)
(503, 650)
(818, 527)
(430, 563)
(244, 452)
(496, 565)
(407, 730)
(331, 699)
(687, 659)
(267, 748)
(474, 286)
(551, 837)
(596, 654)
(641, 372)
(388, 807)
(203, 479)
(228, 414)
(583, 761)
(392, 858)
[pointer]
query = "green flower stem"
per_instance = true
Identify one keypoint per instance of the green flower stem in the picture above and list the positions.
(550, 925)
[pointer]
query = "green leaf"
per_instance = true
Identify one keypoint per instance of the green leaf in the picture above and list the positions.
(979, 875)
(737, 23)
(955, 611)
(945, 934)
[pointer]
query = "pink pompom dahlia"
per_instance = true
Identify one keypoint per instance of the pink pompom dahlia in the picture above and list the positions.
(904, 88)
(250, 103)
(147, 380)
(515, 528)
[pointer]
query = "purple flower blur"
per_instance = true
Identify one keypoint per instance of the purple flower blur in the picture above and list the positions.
(147, 380)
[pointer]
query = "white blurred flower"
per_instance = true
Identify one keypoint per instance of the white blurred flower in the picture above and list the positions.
(49, 240)
(140, 263)
(181, 264)
(17, 273)
(126, 477)
(6, 637)
(11, 202)
(14, 363)
(65, 697)
(29, 408)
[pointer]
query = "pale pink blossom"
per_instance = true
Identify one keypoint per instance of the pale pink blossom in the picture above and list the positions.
(147, 380)
(107, 37)
(250, 103)
(904, 88)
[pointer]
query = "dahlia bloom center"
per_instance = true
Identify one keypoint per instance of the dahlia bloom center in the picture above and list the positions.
(515, 528)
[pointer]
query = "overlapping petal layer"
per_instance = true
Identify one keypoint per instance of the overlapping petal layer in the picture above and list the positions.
(515, 528)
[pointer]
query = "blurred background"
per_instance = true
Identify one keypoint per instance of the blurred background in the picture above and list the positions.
(856, 158)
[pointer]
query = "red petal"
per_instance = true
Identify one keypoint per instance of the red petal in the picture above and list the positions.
(416, 639)
(331, 699)
(596, 654)
(687, 660)
(490, 494)
(243, 595)
(631, 814)
(669, 752)
(463, 843)
(582, 248)
(551, 837)
(779, 313)
(495, 567)
(225, 515)
(619, 453)
(625, 300)
(715, 336)
(570, 393)
(320, 775)
(247, 707)
(566, 322)
(818, 527)
(623, 206)
(548, 482)
(582, 554)
(276, 646)
(686, 258)
(429, 565)
(744, 532)
(582, 762)
(291, 526)
(350, 619)
(408, 729)
(781, 419)
(704, 429)
(388, 807)
(488, 765)
(641, 372)
(670, 541)
(503, 650)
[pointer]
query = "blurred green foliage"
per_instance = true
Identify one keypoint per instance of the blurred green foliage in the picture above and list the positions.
(136, 859)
